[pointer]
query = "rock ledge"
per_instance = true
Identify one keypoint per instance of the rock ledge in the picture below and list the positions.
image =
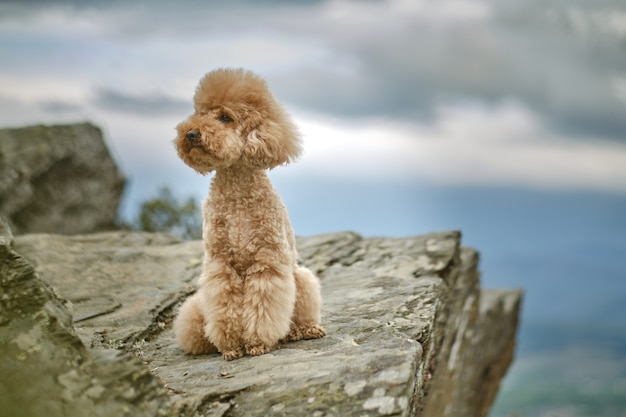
(410, 333)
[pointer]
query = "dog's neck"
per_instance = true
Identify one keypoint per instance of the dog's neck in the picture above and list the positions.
(239, 182)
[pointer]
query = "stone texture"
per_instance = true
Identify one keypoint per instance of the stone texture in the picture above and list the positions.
(410, 333)
(58, 179)
(45, 370)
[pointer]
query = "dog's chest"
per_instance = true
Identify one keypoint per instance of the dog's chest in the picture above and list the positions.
(240, 239)
(239, 232)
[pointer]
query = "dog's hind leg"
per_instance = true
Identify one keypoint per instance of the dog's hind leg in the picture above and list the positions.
(189, 328)
(305, 322)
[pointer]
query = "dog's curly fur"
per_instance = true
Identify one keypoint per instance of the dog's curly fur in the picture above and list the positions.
(251, 293)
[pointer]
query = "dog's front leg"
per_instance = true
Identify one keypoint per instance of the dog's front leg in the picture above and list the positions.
(222, 292)
(269, 298)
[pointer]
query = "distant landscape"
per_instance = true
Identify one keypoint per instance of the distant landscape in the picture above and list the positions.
(566, 369)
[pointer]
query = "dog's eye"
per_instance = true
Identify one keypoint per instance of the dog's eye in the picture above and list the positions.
(226, 118)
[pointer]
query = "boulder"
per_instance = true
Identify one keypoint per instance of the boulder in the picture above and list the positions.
(409, 331)
(58, 179)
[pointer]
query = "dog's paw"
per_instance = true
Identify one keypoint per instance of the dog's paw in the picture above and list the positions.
(296, 333)
(313, 332)
(230, 355)
(258, 350)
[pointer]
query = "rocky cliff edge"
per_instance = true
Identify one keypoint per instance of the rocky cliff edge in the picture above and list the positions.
(85, 329)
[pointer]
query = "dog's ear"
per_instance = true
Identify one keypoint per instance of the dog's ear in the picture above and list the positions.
(272, 139)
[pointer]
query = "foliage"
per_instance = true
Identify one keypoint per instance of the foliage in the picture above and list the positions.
(165, 213)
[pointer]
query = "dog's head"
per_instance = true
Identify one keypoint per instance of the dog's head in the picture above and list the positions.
(236, 121)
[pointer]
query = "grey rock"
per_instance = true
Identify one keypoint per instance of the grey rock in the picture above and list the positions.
(45, 370)
(409, 332)
(58, 179)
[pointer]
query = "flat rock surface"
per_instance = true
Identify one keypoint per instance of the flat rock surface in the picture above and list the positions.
(403, 316)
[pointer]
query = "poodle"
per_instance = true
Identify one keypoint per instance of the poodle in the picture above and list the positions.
(251, 293)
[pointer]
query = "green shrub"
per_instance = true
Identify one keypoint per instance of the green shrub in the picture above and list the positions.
(165, 213)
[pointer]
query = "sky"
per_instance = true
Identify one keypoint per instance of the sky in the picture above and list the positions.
(389, 94)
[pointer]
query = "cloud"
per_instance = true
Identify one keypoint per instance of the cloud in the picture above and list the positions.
(59, 107)
(41, 88)
(472, 92)
(153, 103)
(394, 58)
(466, 145)
(514, 50)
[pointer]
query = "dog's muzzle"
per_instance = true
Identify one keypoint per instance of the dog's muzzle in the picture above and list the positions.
(192, 136)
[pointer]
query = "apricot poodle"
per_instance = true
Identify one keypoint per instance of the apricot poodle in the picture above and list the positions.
(251, 293)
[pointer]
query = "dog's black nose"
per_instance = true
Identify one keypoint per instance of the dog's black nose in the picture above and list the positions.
(192, 135)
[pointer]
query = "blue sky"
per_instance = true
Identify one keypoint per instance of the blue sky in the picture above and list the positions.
(396, 99)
